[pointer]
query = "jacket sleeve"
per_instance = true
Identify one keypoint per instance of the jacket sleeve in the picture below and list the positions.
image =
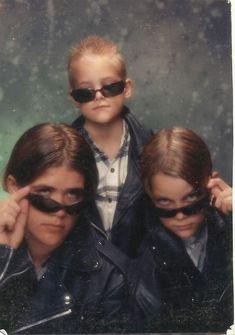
(115, 299)
(12, 262)
(6, 254)
(144, 287)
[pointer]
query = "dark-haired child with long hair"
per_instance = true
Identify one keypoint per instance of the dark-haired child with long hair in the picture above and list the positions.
(187, 255)
(58, 274)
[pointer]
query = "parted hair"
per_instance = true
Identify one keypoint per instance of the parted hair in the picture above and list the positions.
(51, 145)
(177, 152)
(95, 45)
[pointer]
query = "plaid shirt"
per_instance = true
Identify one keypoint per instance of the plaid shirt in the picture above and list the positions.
(112, 175)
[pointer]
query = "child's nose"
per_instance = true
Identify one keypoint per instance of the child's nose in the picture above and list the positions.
(60, 213)
(98, 95)
(180, 216)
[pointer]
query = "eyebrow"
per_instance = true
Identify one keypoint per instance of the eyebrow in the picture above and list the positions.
(102, 80)
(163, 197)
(50, 188)
(39, 186)
(84, 83)
(75, 189)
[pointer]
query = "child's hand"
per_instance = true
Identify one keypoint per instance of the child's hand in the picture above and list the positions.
(221, 194)
(13, 217)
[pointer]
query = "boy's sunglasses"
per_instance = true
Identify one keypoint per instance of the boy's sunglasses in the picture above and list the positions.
(195, 208)
(87, 94)
(48, 205)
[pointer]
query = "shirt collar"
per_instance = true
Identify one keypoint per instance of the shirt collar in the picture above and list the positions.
(124, 146)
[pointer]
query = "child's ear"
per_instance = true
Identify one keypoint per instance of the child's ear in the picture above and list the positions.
(76, 104)
(128, 88)
(11, 184)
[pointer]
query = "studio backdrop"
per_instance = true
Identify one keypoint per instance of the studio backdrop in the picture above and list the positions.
(178, 53)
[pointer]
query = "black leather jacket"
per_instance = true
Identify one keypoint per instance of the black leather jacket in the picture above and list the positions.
(190, 300)
(83, 289)
(128, 224)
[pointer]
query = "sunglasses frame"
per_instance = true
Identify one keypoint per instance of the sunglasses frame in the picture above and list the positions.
(48, 205)
(186, 210)
(83, 95)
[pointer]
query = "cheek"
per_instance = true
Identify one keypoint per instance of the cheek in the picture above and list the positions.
(167, 222)
(34, 215)
(198, 219)
(34, 219)
(85, 107)
(70, 222)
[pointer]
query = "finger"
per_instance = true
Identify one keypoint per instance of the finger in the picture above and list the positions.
(21, 193)
(218, 182)
(11, 205)
(226, 207)
(8, 214)
(227, 204)
(23, 215)
(224, 203)
(215, 174)
(223, 196)
(215, 192)
(20, 225)
(7, 222)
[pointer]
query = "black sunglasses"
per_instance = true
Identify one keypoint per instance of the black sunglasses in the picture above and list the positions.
(194, 208)
(48, 205)
(87, 94)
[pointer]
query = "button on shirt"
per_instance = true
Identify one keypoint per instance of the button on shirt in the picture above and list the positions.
(112, 175)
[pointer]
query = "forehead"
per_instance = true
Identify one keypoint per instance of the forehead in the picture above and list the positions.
(170, 187)
(95, 67)
(61, 178)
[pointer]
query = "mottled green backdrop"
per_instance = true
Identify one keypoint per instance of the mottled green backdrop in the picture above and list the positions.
(178, 53)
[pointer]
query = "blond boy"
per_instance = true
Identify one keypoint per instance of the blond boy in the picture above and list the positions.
(99, 88)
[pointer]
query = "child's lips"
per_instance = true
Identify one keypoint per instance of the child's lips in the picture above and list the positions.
(53, 226)
(184, 227)
(100, 107)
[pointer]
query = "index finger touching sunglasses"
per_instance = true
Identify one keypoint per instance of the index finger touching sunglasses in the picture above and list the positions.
(48, 205)
(221, 194)
(13, 217)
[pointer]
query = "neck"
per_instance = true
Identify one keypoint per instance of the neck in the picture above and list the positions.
(38, 252)
(106, 136)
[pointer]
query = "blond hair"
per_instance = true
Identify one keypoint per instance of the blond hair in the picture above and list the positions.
(95, 45)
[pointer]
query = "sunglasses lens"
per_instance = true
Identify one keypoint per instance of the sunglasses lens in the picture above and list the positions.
(187, 210)
(48, 205)
(165, 213)
(196, 207)
(75, 208)
(43, 204)
(113, 89)
(83, 95)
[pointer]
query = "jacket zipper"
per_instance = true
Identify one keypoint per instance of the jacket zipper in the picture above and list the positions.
(14, 274)
(7, 263)
(100, 230)
(69, 311)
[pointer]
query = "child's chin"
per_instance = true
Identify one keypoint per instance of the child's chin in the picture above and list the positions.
(184, 234)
